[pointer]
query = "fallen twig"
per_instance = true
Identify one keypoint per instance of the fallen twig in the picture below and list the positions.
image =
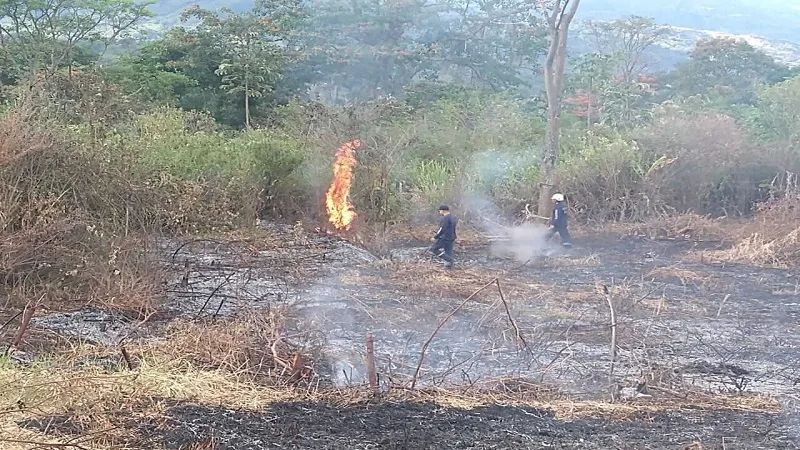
(722, 303)
(441, 324)
(613, 348)
(511, 319)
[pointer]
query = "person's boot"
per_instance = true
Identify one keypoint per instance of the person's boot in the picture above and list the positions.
(448, 264)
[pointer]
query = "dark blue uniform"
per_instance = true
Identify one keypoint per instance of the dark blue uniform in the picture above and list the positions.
(445, 237)
(558, 224)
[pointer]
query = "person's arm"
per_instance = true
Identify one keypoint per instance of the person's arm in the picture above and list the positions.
(441, 229)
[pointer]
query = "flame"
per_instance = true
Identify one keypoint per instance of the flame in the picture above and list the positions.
(340, 211)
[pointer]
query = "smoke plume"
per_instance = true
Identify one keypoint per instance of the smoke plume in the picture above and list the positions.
(525, 242)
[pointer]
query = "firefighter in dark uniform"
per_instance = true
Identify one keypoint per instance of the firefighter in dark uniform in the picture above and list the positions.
(444, 238)
(558, 223)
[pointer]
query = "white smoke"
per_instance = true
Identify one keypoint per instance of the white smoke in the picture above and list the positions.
(525, 242)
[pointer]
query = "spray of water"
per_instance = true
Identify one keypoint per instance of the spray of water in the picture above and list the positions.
(525, 242)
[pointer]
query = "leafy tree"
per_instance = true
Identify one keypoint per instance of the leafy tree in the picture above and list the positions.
(627, 41)
(44, 35)
(611, 84)
(250, 62)
(498, 43)
(779, 109)
(149, 76)
(227, 65)
(727, 70)
(365, 49)
(589, 84)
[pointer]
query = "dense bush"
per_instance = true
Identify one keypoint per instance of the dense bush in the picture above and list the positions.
(440, 145)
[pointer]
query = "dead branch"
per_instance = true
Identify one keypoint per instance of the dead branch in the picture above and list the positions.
(511, 319)
(27, 315)
(127, 357)
(613, 348)
(441, 324)
(13, 318)
(211, 295)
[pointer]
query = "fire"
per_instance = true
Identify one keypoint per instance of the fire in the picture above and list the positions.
(340, 211)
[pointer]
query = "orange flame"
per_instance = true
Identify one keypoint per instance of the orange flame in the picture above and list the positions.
(340, 211)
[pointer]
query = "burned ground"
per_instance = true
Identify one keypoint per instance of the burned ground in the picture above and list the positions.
(688, 330)
(403, 425)
(396, 423)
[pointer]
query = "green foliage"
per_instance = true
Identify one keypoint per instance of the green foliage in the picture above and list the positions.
(602, 176)
(228, 65)
(781, 111)
(443, 111)
(432, 181)
(164, 143)
(727, 71)
(250, 62)
(42, 35)
(147, 78)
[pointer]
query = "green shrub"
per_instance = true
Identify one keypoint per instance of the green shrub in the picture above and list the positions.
(261, 168)
(603, 178)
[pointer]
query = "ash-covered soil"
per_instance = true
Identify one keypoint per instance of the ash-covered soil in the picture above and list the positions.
(682, 324)
(418, 426)
(412, 425)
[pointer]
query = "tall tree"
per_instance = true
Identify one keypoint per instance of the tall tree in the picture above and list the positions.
(729, 70)
(589, 84)
(627, 41)
(251, 62)
(559, 15)
(41, 36)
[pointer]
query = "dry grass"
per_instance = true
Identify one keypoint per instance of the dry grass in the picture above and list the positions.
(772, 239)
(430, 280)
(103, 407)
(72, 224)
(252, 344)
(243, 362)
(683, 274)
(685, 227)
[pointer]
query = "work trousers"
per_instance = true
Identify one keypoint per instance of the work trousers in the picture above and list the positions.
(443, 248)
(562, 232)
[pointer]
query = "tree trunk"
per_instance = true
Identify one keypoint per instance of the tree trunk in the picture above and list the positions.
(246, 105)
(558, 21)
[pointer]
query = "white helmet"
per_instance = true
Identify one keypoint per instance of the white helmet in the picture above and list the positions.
(558, 197)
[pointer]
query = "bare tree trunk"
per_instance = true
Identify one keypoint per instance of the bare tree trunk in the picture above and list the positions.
(558, 21)
(246, 105)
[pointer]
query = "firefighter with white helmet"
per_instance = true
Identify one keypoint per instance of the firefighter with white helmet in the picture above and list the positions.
(558, 222)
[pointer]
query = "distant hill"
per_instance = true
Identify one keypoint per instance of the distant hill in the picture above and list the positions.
(771, 25)
(772, 19)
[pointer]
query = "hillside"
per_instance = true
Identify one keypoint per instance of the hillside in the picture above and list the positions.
(769, 25)
(773, 19)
